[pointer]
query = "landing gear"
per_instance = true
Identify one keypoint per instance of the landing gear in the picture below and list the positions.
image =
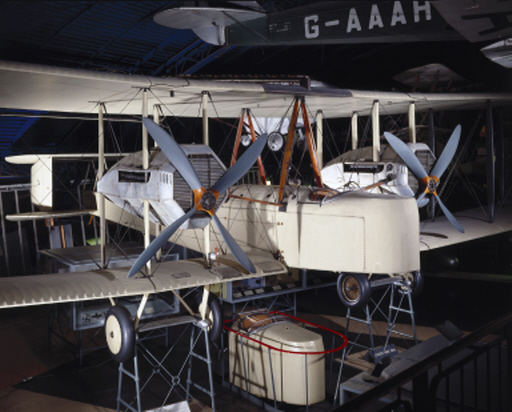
(354, 290)
(413, 282)
(120, 333)
(213, 313)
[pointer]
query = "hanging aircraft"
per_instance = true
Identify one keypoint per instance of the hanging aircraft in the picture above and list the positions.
(260, 230)
(351, 22)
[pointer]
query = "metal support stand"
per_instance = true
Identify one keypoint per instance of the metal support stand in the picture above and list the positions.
(391, 318)
(136, 379)
(400, 307)
(203, 325)
(367, 322)
(174, 380)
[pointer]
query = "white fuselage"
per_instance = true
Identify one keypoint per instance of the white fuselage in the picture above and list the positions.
(360, 232)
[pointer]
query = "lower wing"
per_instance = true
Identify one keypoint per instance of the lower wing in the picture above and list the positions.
(112, 283)
(441, 233)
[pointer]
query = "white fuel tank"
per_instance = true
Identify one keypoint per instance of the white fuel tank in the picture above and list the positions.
(291, 377)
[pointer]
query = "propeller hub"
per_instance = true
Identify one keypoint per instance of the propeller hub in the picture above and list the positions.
(208, 200)
(205, 200)
(431, 183)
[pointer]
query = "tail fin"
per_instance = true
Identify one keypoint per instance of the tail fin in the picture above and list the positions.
(41, 177)
(41, 172)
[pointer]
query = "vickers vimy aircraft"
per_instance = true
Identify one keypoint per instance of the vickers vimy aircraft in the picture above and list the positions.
(260, 229)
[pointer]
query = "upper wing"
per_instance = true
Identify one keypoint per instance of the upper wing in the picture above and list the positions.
(441, 233)
(106, 283)
(37, 87)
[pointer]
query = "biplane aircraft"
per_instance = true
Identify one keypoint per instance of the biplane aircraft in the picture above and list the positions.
(260, 229)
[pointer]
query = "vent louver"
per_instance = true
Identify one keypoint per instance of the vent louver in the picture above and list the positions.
(209, 171)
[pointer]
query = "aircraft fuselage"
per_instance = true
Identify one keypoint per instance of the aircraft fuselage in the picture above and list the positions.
(360, 232)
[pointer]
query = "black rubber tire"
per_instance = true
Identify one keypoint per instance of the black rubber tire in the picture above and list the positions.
(120, 333)
(417, 284)
(217, 315)
(354, 290)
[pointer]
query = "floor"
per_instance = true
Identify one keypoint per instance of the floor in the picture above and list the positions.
(41, 372)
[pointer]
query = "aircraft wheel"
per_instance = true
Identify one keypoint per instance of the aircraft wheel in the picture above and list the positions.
(216, 317)
(416, 279)
(354, 290)
(120, 333)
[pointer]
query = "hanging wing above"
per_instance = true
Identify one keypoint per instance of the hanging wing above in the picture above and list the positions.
(36, 87)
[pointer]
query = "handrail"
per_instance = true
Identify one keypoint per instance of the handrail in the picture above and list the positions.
(422, 366)
(436, 380)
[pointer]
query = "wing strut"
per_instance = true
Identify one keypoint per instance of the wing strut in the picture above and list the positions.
(311, 143)
(299, 105)
(261, 169)
(287, 156)
(101, 169)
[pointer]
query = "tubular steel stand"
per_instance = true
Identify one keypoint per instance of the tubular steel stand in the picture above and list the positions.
(203, 325)
(136, 378)
(158, 365)
(368, 322)
(399, 308)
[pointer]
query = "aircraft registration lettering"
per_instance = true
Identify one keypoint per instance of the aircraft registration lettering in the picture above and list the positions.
(358, 19)
(312, 30)
(375, 18)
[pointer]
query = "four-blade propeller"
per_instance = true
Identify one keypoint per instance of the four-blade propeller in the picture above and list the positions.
(430, 182)
(204, 199)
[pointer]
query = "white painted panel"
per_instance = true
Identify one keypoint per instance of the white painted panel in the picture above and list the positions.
(329, 241)
(41, 179)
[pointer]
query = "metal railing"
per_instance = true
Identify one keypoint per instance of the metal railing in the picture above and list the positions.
(475, 383)
(478, 378)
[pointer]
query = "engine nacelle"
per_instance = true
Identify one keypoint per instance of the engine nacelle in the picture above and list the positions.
(127, 184)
